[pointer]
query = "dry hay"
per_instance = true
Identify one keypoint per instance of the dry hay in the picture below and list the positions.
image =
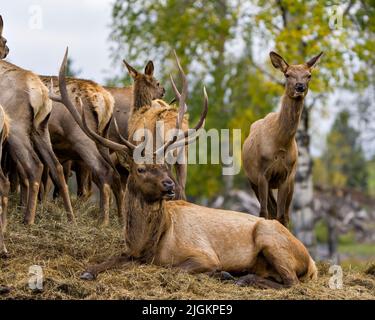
(63, 251)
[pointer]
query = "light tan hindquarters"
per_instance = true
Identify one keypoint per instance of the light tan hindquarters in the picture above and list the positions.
(98, 99)
(39, 99)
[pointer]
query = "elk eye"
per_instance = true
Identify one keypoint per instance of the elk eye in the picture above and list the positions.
(309, 76)
(141, 170)
(287, 75)
(158, 84)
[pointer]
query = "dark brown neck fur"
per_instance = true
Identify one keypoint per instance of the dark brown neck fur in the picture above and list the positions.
(141, 95)
(289, 117)
(145, 224)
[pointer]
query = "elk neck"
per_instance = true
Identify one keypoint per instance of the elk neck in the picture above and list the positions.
(145, 224)
(289, 118)
(141, 97)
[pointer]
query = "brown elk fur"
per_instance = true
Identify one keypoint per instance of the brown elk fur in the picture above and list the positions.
(4, 50)
(4, 183)
(25, 101)
(70, 143)
(146, 109)
(270, 151)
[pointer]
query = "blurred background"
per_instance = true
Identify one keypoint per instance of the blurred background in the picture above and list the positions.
(224, 44)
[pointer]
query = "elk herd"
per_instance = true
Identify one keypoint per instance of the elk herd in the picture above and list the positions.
(51, 125)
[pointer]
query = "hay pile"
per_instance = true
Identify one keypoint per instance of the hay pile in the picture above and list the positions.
(63, 251)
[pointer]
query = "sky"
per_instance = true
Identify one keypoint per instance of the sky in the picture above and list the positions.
(39, 30)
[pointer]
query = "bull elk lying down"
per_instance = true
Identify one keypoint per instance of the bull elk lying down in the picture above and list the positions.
(193, 238)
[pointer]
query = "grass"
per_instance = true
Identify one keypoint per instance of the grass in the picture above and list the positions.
(64, 250)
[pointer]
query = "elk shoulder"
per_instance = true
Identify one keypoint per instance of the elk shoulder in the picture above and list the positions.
(25, 83)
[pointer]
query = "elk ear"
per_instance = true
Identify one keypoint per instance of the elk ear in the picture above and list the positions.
(149, 69)
(313, 61)
(133, 73)
(278, 62)
(124, 158)
(1, 25)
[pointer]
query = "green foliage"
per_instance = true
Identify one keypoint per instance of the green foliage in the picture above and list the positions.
(371, 177)
(215, 43)
(321, 231)
(343, 163)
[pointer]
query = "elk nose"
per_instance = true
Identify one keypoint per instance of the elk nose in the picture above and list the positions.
(168, 184)
(300, 87)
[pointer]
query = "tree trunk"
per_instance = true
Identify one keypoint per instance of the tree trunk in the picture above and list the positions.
(302, 215)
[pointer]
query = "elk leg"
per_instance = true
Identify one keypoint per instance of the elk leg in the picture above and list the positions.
(83, 176)
(3, 249)
(288, 202)
(256, 281)
(105, 194)
(200, 262)
(5, 186)
(119, 193)
(66, 169)
(221, 275)
(13, 177)
(24, 185)
(281, 201)
(43, 190)
(271, 205)
(263, 190)
(278, 250)
(92, 271)
(30, 165)
(57, 173)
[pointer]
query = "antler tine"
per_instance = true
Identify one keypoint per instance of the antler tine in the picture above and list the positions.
(181, 97)
(178, 139)
(64, 99)
(126, 142)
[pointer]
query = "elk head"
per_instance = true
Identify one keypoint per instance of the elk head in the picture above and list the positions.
(297, 76)
(145, 85)
(4, 50)
(152, 180)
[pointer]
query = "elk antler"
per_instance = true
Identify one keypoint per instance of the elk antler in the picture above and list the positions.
(181, 97)
(81, 121)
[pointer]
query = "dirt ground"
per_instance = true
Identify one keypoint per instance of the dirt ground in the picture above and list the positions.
(63, 250)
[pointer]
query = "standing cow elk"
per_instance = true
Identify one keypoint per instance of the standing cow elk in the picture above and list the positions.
(4, 183)
(270, 151)
(70, 142)
(127, 98)
(25, 101)
(193, 238)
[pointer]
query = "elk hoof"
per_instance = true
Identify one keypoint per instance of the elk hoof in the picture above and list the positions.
(4, 290)
(226, 276)
(88, 276)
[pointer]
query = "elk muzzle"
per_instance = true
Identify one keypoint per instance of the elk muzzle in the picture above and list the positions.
(168, 188)
(300, 87)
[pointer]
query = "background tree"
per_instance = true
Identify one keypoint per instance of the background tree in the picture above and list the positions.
(344, 162)
(70, 70)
